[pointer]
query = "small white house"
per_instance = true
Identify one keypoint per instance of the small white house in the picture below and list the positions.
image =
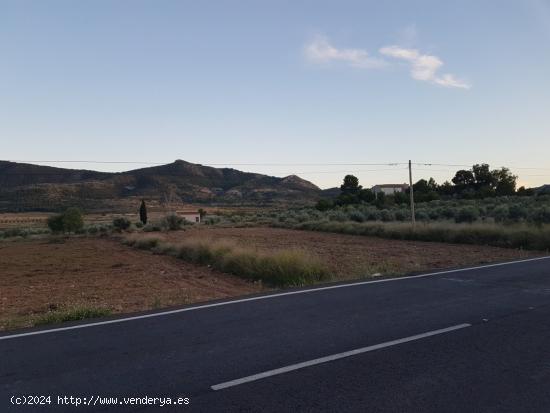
(389, 189)
(190, 215)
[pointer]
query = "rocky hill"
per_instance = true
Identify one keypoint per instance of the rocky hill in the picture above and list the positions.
(25, 187)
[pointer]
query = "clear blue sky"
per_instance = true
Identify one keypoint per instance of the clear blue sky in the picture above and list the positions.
(279, 82)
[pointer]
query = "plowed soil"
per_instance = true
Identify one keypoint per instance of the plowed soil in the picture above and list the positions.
(39, 275)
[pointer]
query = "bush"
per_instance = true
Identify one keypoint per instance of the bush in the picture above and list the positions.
(386, 215)
(72, 220)
(337, 215)
(541, 216)
(517, 212)
(421, 215)
(373, 215)
(324, 205)
(500, 213)
(121, 223)
(467, 214)
(69, 221)
(356, 216)
(14, 232)
(143, 243)
(212, 220)
(401, 215)
(93, 230)
(55, 223)
(172, 222)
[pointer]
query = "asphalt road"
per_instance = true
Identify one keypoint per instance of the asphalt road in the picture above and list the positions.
(487, 350)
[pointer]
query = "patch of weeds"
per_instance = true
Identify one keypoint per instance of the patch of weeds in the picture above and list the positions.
(70, 314)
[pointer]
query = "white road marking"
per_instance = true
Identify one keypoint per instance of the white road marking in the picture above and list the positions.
(333, 357)
(263, 297)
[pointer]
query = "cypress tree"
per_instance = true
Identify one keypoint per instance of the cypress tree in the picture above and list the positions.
(143, 212)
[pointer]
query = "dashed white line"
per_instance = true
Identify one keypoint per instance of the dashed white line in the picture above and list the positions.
(333, 357)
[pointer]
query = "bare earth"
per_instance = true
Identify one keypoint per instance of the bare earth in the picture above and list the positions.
(37, 275)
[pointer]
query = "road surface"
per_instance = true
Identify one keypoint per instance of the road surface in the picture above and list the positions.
(475, 340)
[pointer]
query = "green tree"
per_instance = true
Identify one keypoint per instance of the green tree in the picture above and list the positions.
(421, 186)
(463, 179)
(483, 176)
(350, 185)
(324, 205)
(143, 212)
(446, 188)
(69, 221)
(72, 220)
(401, 198)
(366, 195)
(432, 185)
(505, 181)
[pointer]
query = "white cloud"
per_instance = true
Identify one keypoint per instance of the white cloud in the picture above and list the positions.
(449, 80)
(424, 67)
(320, 50)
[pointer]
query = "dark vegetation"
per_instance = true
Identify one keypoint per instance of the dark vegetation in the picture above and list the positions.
(121, 224)
(69, 221)
(479, 182)
(143, 213)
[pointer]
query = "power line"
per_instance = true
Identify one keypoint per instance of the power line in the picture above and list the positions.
(214, 164)
(270, 163)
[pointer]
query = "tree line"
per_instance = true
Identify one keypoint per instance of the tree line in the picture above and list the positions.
(475, 183)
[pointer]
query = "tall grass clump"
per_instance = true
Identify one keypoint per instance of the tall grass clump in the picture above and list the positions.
(71, 314)
(143, 243)
(281, 269)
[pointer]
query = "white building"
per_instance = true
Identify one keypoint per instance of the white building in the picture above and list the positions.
(190, 215)
(389, 189)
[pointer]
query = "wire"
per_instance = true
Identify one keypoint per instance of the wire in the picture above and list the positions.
(214, 164)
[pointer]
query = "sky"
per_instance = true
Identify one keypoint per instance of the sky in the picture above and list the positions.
(314, 88)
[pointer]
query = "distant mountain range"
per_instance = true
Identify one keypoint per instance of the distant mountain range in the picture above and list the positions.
(26, 187)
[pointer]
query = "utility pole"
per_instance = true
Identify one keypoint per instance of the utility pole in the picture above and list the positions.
(413, 220)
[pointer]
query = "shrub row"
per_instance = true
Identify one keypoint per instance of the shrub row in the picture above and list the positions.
(521, 236)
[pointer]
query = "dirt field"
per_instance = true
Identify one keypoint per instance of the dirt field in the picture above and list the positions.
(37, 275)
(351, 256)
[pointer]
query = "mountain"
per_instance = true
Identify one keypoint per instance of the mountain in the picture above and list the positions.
(34, 187)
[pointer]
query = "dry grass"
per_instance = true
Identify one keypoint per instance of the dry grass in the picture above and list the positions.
(350, 256)
(281, 268)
